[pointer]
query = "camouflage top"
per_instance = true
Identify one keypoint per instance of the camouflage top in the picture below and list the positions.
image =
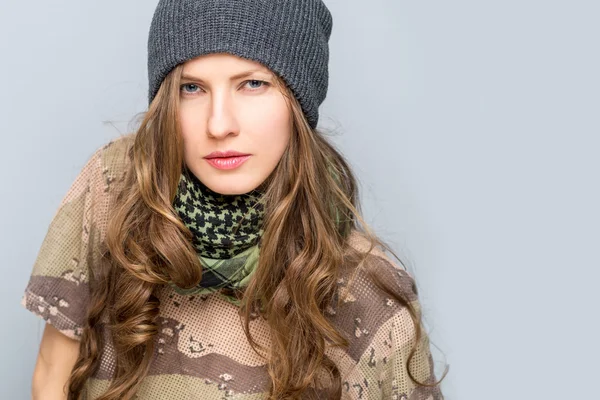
(202, 351)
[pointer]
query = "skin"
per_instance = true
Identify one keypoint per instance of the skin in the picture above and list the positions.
(220, 112)
(55, 361)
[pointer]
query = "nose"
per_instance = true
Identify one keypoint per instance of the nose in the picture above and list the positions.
(222, 120)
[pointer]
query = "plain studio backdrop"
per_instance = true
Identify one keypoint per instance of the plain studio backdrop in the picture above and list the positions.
(473, 128)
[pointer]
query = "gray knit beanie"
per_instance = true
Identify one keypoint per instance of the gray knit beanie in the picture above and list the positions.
(290, 37)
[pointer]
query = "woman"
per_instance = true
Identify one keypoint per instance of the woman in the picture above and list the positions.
(218, 251)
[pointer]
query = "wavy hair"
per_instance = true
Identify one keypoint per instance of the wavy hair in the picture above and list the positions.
(311, 206)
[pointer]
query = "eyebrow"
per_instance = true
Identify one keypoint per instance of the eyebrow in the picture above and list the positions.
(234, 77)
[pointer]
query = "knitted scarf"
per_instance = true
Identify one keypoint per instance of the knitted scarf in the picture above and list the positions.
(226, 234)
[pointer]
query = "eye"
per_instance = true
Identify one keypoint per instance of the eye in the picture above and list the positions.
(193, 88)
(256, 84)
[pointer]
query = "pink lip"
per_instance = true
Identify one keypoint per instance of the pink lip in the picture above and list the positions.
(225, 154)
(227, 162)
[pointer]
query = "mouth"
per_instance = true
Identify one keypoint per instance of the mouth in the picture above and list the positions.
(225, 154)
(226, 163)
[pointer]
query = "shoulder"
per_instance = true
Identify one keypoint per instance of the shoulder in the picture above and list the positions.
(114, 155)
(376, 266)
(107, 164)
(364, 308)
(111, 159)
(85, 208)
(103, 174)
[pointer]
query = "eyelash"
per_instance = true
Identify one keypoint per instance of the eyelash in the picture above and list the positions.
(263, 83)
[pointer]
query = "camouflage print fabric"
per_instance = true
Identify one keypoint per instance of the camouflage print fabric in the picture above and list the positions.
(201, 350)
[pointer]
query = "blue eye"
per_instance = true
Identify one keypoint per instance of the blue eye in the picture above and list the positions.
(252, 85)
(254, 82)
(189, 85)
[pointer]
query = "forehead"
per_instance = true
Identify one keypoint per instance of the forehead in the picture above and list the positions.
(221, 64)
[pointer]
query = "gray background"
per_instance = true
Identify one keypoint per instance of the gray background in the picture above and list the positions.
(473, 127)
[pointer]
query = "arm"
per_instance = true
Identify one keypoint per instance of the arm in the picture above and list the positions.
(55, 361)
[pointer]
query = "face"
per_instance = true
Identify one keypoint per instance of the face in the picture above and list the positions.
(230, 104)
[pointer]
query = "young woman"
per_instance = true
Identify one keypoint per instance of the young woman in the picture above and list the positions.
(218, 251)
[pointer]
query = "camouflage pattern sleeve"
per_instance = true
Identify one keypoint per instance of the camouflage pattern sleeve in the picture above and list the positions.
(382, 334)
(381, 371)
(399, 337)
(392, 346)
(58, 287)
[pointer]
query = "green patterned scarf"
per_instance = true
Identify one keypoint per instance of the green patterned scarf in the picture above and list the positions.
(228, 251)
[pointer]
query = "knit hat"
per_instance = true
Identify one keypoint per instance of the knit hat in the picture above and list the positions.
(290, 37)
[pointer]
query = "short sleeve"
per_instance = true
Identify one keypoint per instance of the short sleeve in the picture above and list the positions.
(394, 342)
(394, 350)
(382, 334)
(381, 370)
(58, 290)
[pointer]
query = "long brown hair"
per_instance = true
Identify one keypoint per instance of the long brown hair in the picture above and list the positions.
(311, 206)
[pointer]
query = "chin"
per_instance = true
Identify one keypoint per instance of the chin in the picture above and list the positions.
(233, 187)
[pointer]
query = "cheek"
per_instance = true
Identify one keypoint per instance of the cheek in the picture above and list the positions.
(190, 123)
(270, 126)
(190, 120)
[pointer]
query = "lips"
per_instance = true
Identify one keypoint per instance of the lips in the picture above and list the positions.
(226, 163)
(225, 154)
